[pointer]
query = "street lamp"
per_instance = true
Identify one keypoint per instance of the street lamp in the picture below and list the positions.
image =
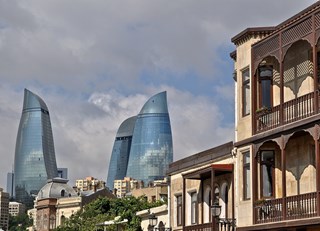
(215, 210)
(153, 220)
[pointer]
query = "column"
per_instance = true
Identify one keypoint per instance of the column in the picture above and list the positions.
(183, 203)
(284, 184)
(281, 113)
(316, 144)
(254, 182)
(315, 67)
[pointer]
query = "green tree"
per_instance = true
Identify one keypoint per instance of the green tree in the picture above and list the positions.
(104, 209)
(20, 222)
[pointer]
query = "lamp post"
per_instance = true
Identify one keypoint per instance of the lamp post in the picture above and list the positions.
(215, 212)
(152, 220)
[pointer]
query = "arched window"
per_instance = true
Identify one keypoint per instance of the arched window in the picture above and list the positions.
(265, 80)
(224, 200)
(62, 219)
(216, 195)
(207, 204)
(63, 192)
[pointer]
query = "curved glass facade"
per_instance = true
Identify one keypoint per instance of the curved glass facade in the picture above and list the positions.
(151, 149)
(120, 152)
(35, 160)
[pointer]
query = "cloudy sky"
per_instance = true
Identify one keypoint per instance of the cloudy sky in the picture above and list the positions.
(96, 62)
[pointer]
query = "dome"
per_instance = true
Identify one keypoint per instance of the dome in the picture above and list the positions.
(56, 188)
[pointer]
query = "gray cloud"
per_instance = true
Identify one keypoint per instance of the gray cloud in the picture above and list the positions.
(88, 60)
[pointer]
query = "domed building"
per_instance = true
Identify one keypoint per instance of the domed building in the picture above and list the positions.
(46, 201)
(57, 201)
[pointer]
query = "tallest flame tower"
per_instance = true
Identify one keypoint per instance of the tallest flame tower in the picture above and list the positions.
(35, 160)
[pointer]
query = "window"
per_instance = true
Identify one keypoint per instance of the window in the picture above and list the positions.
(245, 92)
(179, 210)
(265, 80)
(216, 195)
(63, 219)
(267, 173)
(246, 176)
(194, 204)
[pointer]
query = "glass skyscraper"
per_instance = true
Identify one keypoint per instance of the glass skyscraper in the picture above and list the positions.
(35, 160)
(151, 146)
(120, 152)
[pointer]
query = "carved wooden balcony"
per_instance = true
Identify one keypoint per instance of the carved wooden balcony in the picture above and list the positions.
(296, 207)
(292, 111)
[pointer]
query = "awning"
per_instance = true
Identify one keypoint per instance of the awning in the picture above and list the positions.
(205, 173)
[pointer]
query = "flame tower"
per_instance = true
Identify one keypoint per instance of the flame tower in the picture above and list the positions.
(35, 160)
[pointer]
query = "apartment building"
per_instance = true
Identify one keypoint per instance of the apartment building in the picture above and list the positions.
(16, 208)
(89, 183)
(4, 210)
(122, 187)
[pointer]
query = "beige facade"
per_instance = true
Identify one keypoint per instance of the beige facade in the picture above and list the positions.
(66, 207)
(122, 187)
(161, 214)
(89, 183)
(277, 125)
(4, 210)
(194, 181)
(16, 208)
(275, 179)
(152, 193)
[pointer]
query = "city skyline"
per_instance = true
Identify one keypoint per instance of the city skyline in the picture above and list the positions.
(95, 67)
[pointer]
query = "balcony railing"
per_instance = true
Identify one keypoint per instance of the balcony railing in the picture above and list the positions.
(200, 227)
(222, 225)
(297, 207)
(293, 110)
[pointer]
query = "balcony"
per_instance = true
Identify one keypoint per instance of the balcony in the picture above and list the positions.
(222, 225)
(292, 111)
(296, 207)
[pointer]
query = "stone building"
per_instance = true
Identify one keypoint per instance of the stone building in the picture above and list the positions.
(46, 202)
(271, 178)
(57, 201)
(198, 181)
(162, 219)
(276, 72)
(158, 191)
